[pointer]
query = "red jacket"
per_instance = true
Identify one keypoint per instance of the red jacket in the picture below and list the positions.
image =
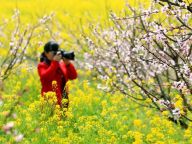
(56, 71)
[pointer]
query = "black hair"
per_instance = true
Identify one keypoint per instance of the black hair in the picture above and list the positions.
(49, 46)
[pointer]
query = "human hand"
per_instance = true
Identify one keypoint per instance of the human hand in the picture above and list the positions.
(66, 61)
(57, 57)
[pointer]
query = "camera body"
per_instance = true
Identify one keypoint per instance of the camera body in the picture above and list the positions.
(64, 54)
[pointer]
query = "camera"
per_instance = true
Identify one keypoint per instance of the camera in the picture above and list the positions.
(64, 54)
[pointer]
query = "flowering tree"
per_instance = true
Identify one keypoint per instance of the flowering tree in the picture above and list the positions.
(20, 39)
(146, 55)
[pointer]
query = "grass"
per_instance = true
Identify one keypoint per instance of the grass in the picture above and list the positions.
(94, 116)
